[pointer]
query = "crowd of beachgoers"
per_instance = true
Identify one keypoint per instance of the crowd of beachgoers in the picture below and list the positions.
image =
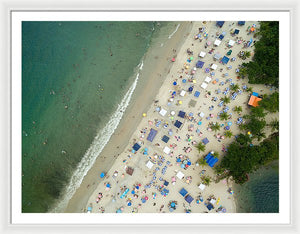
(160, 171)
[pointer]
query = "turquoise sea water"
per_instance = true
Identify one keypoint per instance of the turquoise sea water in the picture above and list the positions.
(74, 75)
(261, 193)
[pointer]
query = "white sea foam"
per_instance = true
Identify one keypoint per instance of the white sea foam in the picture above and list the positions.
(171, 35)
(96, 148)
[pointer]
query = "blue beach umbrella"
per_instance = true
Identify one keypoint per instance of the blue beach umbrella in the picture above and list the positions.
(174, 83)
(102, 175)
(182, 166)
(129, 204)
(132, 192)
(229, 123)
(184, 81)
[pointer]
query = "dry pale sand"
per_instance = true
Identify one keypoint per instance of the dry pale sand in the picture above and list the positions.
(111, 201)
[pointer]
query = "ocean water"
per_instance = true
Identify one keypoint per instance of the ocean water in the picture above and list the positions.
(77, 80)
(261, 193)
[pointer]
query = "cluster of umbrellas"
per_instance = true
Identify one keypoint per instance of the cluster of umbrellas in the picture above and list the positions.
(172, 205)
(184, 162)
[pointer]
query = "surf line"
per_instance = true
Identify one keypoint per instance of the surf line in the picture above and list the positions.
(171, 35)
(96, 148)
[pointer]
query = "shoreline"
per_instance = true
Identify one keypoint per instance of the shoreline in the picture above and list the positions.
(128, 135)
(149, 81)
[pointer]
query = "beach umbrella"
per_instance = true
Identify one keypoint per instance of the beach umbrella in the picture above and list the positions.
(132, 192)
(137, 187)
(191, 114)
(227, 127)
(157, 109)
(144, 114)
(229, 123)
(194, 81)
(199, 123)
(119, 211)
(102, 175)
(182, 166)
(191, 58)
(174, 83)
(206, 70)
(184, 81)
(180, 102)
(173, 59)
(108, 185)
(172, 112)
(129, 203)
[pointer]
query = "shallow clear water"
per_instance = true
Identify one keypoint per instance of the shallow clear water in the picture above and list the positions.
(74, 75)
(261, 193)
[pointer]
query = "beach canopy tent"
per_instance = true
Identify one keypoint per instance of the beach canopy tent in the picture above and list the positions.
(202, 186)
(136, 147)
(202, 54)
(236, 31)
(241, 23)
(177, 124)
(149, 164)
(189, 198)
(217, 56)
(166, 183)
(182, 93)
(221, 37)
(220, 23)
(197, 93)
(192, 103)
(151, 135)
(253, 101)
(231, 42)
(207, 79)
(210, 159)
(204, 85)
(217, 42)
(199, 64)
(225, 60)
(180, 175)
(183, 192)
(167, 150)
(163, 112)
(165, 139)
(210, 206)
(181, 114)
(205, 141)
(255, 94)
(129, 170)
(214, 66)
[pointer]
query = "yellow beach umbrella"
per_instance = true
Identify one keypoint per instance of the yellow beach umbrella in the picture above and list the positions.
(180, 102)
(144, 114)
(194, 81)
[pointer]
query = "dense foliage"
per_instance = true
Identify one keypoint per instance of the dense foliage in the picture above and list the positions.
(242, 159)
(270, 102)
(264, 68)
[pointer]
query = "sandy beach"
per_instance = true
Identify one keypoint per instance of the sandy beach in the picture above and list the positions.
(149, 179)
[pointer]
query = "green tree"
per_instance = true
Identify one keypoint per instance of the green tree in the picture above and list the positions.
(224, 116)
(200, 147)
(238, 109)
(255, 126)
(271, 102)
(249, 89)
(226, 99)
(215, 126)
(274, 124)
(228, 134)
(258, 112)
(202, 162)
(216, 154)
(264, 68)
(246, 55)
(206, 180)
(234, 87)
(243, 139)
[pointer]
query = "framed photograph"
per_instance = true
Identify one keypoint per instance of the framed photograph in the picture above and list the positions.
(139, 118)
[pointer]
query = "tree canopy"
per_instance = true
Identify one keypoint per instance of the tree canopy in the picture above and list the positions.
(270, 102)
(264, 68)
(242, 159)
